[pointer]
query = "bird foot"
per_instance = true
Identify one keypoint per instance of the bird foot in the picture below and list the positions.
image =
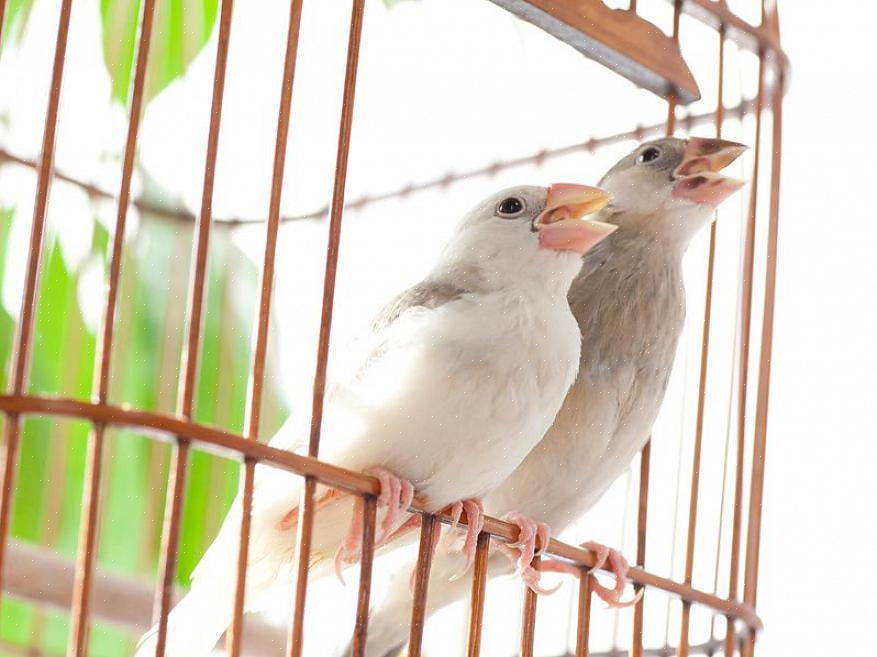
(396, 494)
(524, 550)
(617, 564)
(474, 524)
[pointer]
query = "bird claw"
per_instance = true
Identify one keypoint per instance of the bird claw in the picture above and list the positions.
(474, 524)
(396, 494)
(619, 567)
(522, 552)
(349, 551)
(617, 564)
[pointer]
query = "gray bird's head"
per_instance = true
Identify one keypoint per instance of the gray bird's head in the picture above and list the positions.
(528, 233)
(670, 187)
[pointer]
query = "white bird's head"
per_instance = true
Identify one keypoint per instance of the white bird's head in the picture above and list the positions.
(671, 187)
(529, 233)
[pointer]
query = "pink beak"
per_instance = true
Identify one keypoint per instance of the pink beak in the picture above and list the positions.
(698, 178)
(560, 225)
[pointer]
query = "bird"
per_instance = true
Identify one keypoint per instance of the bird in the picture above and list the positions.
(457, 379)
(629, 302)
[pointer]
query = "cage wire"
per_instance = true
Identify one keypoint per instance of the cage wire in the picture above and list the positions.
(81, 437)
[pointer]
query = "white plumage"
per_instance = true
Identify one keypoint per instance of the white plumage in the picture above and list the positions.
(459, 379)
(629, 303)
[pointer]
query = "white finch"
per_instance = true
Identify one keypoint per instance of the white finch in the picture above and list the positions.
(462, 375)
(629, 302)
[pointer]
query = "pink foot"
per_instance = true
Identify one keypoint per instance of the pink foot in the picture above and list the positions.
(522, 553)
(397, 495)
(474, 524)
(618, 565)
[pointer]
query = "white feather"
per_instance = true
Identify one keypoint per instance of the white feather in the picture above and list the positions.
(451, 396)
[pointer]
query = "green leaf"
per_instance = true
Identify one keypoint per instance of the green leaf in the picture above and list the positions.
(15, 20)
(181, 28)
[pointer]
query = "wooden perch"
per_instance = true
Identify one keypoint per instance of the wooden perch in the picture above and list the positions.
(45, 578)
(619, 39)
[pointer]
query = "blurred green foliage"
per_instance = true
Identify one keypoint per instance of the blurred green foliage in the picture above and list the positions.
(146, 363)
(181, 28)
(17, 13)
(145, 371)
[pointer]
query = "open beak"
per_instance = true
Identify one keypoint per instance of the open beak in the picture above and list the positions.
(560, 225)
(698, 177)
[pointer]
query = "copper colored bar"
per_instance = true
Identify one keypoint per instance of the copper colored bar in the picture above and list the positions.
(189, 359)
(701, 391)
(77, 645)
(636, 647)
(360, 629)
(335, 215)
(672, 101)
(263, 314)
(189, 365)
(91, 494)
(476, 603)
(753, 538)
(234, 636)
(583, 629)
(105, 344)
(303, 544)
(229, 444)
(528, 618)
(24, 328)
(2, 18)
(302, 559)
(260, 347)
(421, 584)
(743, 382)
(170, 538)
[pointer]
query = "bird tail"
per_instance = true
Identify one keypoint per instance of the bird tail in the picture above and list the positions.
(194, 625)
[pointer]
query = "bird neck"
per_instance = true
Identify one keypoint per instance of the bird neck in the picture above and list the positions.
(629, 300)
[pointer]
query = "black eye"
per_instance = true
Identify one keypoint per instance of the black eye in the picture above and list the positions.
(511, 207)
(650, 154)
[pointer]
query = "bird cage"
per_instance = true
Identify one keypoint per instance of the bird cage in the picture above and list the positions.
(632, 47)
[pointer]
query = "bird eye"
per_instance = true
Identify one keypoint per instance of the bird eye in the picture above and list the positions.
(511, 207)
(650, 154)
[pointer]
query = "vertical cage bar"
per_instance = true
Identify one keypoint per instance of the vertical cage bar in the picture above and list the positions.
(302, 559)
(91, 495)
(234, 637)
(583, 629)
(476, 604)
(528, 617)
(672, 100)
(262, 321)
(701, 391)
(360, 629)
(24, 328)
(303, 538)
(756, 496)
(191, 349)
(2, 19)
(421, 584)
(743, 366)
(636, 646)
